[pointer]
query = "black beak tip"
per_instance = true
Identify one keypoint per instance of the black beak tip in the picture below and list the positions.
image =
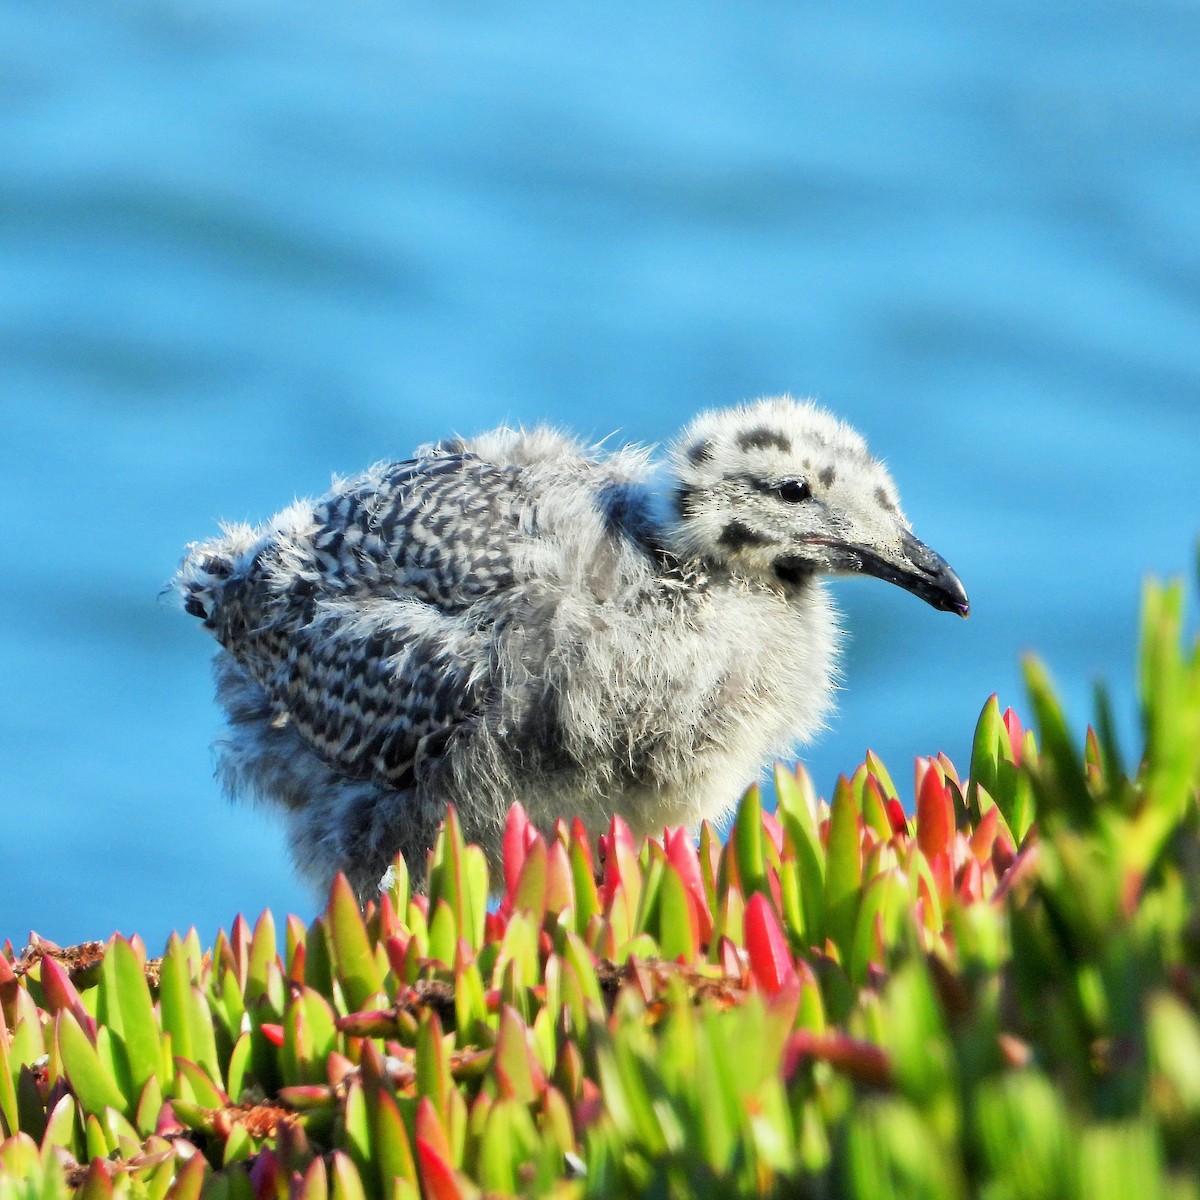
(933, 579)
(948, 594)
(954, 596)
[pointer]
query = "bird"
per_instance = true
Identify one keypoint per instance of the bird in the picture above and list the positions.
(521, 616)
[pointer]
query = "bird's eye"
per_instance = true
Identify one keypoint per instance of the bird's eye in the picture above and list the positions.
(793, 491)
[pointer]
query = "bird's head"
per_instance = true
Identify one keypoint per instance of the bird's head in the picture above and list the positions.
(781, 489)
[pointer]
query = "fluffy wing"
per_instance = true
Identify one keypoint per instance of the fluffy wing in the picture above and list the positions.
(378, 688)
(438, 529)
(367, 616)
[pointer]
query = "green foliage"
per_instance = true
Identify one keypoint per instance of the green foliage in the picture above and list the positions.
(998, 996)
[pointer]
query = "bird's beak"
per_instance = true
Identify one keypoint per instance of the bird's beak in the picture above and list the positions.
(913, 567)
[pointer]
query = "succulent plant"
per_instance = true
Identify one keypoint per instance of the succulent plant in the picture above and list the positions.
(997, 995)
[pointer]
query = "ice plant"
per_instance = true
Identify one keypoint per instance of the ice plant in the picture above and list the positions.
(989, 986)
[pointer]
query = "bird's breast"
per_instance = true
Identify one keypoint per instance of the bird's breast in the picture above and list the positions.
(674, 691)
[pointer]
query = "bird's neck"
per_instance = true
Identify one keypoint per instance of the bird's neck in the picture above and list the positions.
(658, 517)
(660, 491)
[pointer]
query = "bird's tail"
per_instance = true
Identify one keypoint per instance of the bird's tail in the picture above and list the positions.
(209, 567)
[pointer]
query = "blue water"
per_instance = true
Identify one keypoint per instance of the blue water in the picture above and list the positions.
(246, 245)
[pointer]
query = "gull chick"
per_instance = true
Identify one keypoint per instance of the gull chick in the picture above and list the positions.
(519, 616)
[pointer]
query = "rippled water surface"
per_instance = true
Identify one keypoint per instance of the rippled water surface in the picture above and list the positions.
(245, 246)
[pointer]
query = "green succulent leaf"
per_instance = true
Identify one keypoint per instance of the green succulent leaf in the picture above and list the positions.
(747, 840)
(94, 1086)
(354, 961)
(843, 870)
(891, 1151)
(130, 1013)
(1026, 1135)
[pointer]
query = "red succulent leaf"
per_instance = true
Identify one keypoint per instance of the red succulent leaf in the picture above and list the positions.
(303, 1096)
(8, 983)
(379, 1022)
(935, 814)
(337, 1067)
(970, 881)
(167, 1122)
(896, 816)
(513, 845)
(1022, 868)
(1012, 723)
(389, 924)
(1004, 854)
(429, 1127)
(60, 993)
(273, 1034)
(862, 1061)
(773, 830)
(396, 949)
(433, 1154)
(580, 838)
(943, 874)
(298, 957)
(770, 955)
(264, 1175)
(438, 1176)
(681, 854)
(983, 836)
(589, 1108)
(620, 855)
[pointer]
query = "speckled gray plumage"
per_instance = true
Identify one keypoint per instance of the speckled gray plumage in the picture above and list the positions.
(520, 617)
